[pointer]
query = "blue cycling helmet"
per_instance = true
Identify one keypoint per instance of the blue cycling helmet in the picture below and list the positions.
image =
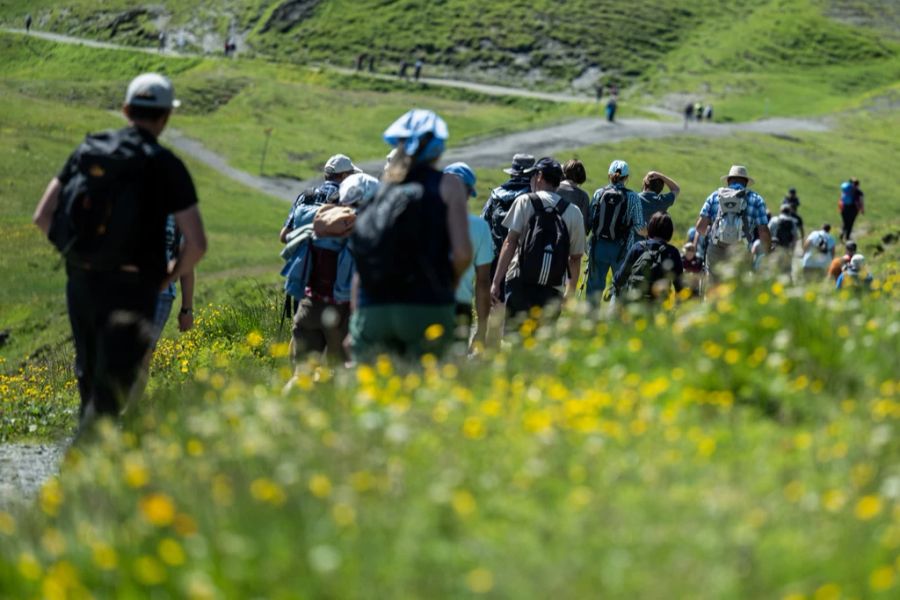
(464, 172)
(421, 133)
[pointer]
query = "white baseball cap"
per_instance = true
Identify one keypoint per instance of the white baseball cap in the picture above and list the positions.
(358, 189)
(151, 90)
(340, 163)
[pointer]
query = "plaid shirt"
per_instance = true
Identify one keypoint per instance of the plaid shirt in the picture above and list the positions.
(756, 207)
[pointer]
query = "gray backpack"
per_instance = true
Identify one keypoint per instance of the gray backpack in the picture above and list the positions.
(730, 224)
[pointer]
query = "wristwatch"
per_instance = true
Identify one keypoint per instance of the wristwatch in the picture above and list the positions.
(185, 311)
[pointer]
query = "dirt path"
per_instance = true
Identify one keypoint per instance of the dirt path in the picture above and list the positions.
(25, 467)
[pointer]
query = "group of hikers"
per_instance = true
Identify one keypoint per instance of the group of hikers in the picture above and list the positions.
(697, 111)
(393, 264)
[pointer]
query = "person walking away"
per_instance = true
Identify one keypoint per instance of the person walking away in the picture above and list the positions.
(793, 201)
(411, 245)
(28, 23)
(785, 234)
(652, 266)
(850, 206)
(652, 198)
(325, 269)
(574, 176)
(840, 263)
(541, 256)
(174, 241)
(688, 113)
(475, 283)
(360, 60)
(114, 243)
(402, 73)
(730, 215)
(708, 113)
(692, 265)
(855, 276)
(818, 252)
(162, 41)
(336, 170)
(500, 202)
(616, 219)
(417, 68)
(698, 112)
(611, 106)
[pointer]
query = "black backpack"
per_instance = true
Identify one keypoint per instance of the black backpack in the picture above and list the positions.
(316, 196)
(544, 246)
(386, 242)
(646, 271)
(98, 218)
(609, 214)
(499, 205)
(784, 231)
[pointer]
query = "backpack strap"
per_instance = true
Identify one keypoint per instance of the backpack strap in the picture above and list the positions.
(536, 202)
(561, 206)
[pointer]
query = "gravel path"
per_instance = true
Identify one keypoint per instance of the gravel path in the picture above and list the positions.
(25, 467)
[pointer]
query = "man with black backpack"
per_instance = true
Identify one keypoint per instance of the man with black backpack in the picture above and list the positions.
(785, 233)
(541, 256)
(106, 212)
(730, 215)
(501, 199)
(616, 219)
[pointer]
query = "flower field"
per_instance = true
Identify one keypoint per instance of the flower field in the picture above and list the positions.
(743, 447)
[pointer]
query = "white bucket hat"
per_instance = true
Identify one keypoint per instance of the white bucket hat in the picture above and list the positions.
(738, 171)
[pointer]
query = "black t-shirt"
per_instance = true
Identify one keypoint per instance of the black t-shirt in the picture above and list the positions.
(168, 189)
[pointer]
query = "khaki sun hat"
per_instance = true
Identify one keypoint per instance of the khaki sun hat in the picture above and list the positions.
(738, 171)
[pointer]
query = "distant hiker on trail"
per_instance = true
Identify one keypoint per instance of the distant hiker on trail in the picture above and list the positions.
(688, 114)
(174, 241)
(793, 201)
(28, 23)
(652, 198)
(616, 219)
(500, 202)
(850, 206)
(319, 270)
(336, 170)
(541, 256)
(372, 64)
(162, 41)
(417, 69)
(698, 111)
(411, 246)
(839, 263)
(652, 266)
(402, 72)
(611, 106)
(708, 112)
(360, 60)
(478, 274)
(730, 215)
(569, 189)
(785, 233)
(818, 252)
(114, 245)
(855, 275)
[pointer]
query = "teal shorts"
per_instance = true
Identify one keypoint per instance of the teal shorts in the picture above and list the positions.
(403, 330)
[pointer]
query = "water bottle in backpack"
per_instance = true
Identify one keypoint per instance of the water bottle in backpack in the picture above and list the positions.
(730, 225)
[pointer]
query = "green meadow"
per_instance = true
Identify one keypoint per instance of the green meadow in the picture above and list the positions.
(741, 447)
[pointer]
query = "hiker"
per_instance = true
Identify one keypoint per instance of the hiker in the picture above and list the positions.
(611, 106)
(411, 245)
(569, 188)
(839, 263)
(336, 170)
(850, 206)
(652, 198)
(174, 241)
(162, 41)
(402, 72)
(730, 215)
(692, 265)
(688, 113)
(116, 266)
(785, 233)
(855, 276)
(818, 252)
(652, 266)
(372, 64)
(708, 112)
(28, 23)
(417, 68)
(698, 112)
(478, 273)
(615, 219)
(541, 256)
(360, 60)
(500, 202)
(321, 268)
(793, 201)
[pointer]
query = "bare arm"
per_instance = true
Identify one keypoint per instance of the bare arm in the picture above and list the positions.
(191, 226)
(186, 319)
(702, 225)
(482, 302)
(506, 255)
(43, 213)
(765, 239)
(283, 234)
(670, 183)
(454, 193)
(574, 271)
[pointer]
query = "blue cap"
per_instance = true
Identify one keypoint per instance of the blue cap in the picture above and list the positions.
(464, 172)
(620, 167)
(410, 129)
